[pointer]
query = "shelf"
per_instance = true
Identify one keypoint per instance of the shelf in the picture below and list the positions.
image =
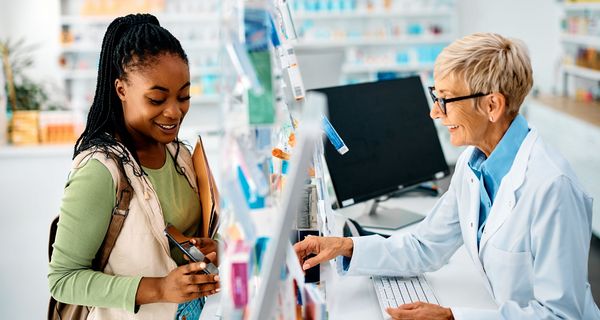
(582, 72)
(200, 45)
(386, 67)
(211, 99)
(200, 71)
(165, 18)
(584, 40)
(399, 41)
(81, 48)
(95, 48)
(92, 74)
(80, 74)
(349, 15)
(582, 6)
(41, 150)
(588, 112)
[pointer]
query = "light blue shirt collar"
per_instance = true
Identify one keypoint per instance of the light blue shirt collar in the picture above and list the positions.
(502, 157)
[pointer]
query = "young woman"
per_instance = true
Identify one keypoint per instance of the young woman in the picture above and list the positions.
(142, 96)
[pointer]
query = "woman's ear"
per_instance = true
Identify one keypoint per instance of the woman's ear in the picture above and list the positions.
(496, 106)
(120, 88)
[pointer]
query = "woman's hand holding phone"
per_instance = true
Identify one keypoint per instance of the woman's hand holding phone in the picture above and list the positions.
(182, 284)
(208, 247)
(195, 249)
(188, 282)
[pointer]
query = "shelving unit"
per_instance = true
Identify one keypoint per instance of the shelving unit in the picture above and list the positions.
(577, 111)
(349, 69)
(371, 42)
(581, 45)
(379, 14)
(583, 40)
(378, 39)
(581, 72)
(581, 6)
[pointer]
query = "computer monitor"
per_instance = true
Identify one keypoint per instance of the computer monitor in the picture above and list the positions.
(393, 145)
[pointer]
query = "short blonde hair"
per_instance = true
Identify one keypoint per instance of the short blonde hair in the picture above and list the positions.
(487, 63)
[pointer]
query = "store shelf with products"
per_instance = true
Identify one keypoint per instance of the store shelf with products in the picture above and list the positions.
(582, 5)
(162, 17)
(95, 48)
(373, 41)
(580, 40)
(376, 37)
(371, 68)
(379, 14)
(582, 72)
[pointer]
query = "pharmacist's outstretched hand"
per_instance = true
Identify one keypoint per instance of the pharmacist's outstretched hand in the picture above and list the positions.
(324, 249)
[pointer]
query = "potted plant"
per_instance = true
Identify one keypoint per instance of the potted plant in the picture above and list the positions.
(25, 97)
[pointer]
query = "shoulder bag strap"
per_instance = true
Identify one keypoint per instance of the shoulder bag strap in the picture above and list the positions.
(120, 212)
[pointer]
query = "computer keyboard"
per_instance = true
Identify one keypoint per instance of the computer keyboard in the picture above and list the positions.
(395, 291)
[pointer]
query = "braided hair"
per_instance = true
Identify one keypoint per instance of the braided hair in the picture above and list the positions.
(131, 42)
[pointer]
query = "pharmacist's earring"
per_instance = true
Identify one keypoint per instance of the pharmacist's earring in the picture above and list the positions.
(491, 119)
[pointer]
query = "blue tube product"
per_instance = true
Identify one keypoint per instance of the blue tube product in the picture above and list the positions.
(334, 137)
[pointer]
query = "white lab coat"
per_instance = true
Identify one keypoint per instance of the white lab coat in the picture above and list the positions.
(534, 250)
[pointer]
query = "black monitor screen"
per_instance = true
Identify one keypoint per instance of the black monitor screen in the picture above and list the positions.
(392, 140)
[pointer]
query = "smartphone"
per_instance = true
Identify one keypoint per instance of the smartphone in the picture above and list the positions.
(189, 249)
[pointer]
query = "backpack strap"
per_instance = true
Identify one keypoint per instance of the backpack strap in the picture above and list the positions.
(120, 212)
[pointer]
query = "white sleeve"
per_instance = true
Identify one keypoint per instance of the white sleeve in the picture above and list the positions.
(437, 237)
(560, 242)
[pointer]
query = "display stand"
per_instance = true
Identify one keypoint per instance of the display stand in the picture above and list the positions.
(271, 136)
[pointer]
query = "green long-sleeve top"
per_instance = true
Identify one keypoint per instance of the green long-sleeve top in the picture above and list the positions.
(85, 214)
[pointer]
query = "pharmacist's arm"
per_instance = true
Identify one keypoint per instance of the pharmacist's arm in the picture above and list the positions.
(325, 249)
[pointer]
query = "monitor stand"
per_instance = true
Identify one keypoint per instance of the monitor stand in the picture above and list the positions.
(390, 219)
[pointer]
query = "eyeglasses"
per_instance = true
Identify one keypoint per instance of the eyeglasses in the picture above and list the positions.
(442, 101)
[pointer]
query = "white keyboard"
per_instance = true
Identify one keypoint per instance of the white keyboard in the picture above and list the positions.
(395, 291)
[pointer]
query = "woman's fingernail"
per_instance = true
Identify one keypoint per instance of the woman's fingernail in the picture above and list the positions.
(216, 278)
(305, 266)
(217, 289)
(202, 265)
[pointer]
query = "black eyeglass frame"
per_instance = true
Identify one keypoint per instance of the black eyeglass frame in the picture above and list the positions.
(442, 101)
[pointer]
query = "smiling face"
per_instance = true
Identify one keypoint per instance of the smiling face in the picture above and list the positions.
(155, 99)
(467, 124)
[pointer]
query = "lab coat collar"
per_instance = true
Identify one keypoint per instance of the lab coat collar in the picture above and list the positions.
(512, 181)
(472, 224)
(473, 217)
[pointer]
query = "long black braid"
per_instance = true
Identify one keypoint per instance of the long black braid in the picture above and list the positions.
(131, 42)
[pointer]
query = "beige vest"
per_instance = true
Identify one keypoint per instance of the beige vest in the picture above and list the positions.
(141, 248)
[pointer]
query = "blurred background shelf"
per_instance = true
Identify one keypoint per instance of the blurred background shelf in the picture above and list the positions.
(584, 40)
(371, 68)
(344, 43)
(582, 72)
(353, 15)
(162, 17)
(36, 151)
(588, 112)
